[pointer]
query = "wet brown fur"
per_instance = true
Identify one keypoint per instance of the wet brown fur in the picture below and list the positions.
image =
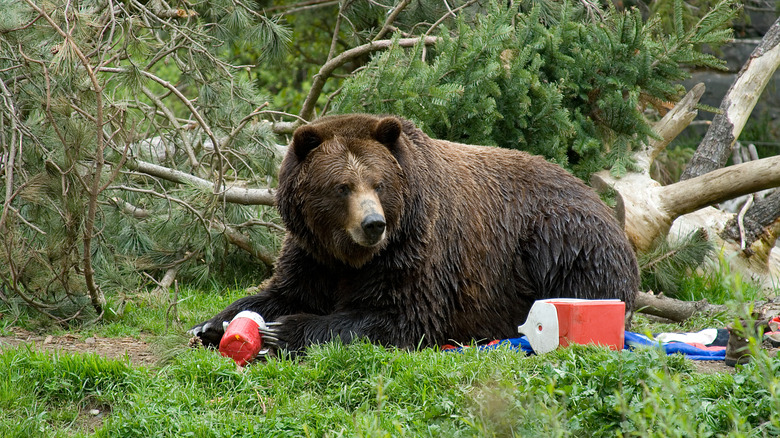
(474, 235)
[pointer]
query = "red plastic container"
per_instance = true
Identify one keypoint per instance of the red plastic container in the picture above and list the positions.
(242, 340)
(600, 322)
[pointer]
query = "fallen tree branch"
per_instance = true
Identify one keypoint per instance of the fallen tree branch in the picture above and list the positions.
(648, 209)
(242, 241)
(165, 283)
(130, 209)
(673, 309)
(721, 185)
(232, 235)
(235, 195)
(670, 126)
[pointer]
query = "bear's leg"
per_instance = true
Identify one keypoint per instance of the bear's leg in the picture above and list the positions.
(268, 304)
(296, 332)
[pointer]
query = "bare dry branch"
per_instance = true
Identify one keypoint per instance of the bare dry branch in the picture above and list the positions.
(235, 195)
(673, 309)
(671, 125)
(387, 27)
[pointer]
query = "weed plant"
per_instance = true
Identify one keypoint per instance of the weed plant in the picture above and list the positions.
(718, 285)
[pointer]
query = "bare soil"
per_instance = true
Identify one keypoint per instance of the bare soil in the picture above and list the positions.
(137, 352)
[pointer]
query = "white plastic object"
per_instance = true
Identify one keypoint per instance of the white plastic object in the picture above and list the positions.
(541, 327)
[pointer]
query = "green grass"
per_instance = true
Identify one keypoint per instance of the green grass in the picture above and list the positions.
(365, 390)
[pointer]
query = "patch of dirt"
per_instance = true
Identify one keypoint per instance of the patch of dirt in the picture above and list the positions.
(712, 366)
(136, 351)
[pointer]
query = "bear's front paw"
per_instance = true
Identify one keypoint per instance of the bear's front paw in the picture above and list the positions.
(210, 332)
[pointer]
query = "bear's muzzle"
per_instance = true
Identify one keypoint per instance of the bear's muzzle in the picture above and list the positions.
(367, 224)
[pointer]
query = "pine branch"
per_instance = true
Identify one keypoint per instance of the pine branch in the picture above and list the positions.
(11, 155)
(240, 240)
(388, 26)
(159, 9)
(176, 125)
(235, 195)
(441, 20)
(232, 235)
(302, 6)
(96, 295)
(327, 69)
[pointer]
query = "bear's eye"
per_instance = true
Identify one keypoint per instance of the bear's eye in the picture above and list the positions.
(379, 187)
(342, 190)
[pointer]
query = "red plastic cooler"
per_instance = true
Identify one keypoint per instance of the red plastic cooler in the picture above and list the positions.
(600, 322)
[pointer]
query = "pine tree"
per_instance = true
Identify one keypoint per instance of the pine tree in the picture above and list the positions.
(562, 81)
(91, 89)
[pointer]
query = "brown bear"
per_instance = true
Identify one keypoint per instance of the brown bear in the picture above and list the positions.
(410, 241)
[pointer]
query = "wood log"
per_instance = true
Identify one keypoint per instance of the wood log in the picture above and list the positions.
(649, 208)
(673, 309)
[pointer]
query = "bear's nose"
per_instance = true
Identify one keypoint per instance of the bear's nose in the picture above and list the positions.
(373, 225)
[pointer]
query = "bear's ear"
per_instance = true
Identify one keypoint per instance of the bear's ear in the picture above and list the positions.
(305, 139)
(387, 131)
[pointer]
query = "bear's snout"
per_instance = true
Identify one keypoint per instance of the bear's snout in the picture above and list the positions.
(366, 222)
(373, 227)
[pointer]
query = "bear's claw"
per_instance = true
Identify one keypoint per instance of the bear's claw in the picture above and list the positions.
(270, 334)
(209, 333)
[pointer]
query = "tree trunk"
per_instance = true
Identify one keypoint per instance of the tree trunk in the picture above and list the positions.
(735, 109)
(760, 225)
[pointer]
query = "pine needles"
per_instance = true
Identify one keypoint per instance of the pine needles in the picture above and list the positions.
(133, 81)
(669, 262)
(558, 81)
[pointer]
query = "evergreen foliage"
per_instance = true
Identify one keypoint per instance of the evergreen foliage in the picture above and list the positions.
(131, 81)
(562, 82)
(668, 263)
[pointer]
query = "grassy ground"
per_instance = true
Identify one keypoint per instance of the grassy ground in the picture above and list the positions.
(364, 390)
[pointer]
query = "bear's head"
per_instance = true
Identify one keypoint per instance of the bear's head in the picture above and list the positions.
(341, 188)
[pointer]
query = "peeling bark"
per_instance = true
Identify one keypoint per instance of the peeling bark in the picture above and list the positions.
(761, 225)
(735, 109)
